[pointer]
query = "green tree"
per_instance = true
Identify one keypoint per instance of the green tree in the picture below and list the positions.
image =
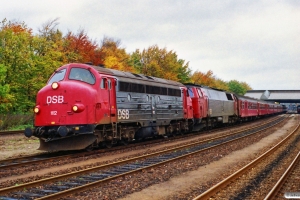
(15, 50)
(5, 98)
(160, 63)
(46, 54)
(237, 87)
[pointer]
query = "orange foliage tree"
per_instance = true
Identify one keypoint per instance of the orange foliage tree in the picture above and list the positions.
(201, 78)
(161, 63)
(79, 48)
(114, 56)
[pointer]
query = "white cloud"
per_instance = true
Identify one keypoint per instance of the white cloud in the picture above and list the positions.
(252, 41)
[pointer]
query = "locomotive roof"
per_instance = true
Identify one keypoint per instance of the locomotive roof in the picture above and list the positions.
(129, 75)
(204, 86)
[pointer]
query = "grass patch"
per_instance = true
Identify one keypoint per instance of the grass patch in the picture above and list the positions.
(15, 121)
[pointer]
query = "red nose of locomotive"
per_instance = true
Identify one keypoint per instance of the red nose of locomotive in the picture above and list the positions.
(62, 103)
(64, 108)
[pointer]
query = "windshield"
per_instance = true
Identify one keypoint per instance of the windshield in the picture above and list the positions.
(58, 76)
(82, 75)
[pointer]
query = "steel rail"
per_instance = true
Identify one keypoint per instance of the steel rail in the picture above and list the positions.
(28, 160)
(213, 190)
(77, 173)
(274, 191)
(5, 133)
(94, 184)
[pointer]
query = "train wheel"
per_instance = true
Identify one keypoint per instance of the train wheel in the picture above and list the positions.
(125, 142)
(109, 144)
(89, 148)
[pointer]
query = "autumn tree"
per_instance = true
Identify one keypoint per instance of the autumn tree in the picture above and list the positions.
(48, 54)
(114, 56)
(207, 79)
(16, 57)
(222, 85)
(160, 63)
(80, 48)
(246, 86)
(5, 98)
(27, 61)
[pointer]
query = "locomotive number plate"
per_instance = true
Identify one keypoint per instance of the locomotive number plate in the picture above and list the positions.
(123, 114)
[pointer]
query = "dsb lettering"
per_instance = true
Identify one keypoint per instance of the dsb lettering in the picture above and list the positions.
(55, 99)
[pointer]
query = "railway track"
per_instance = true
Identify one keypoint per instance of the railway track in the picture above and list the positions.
(48, 157)
(249, 180)
(5, 133)
(39, 159)
(67, 184)
(288, 185)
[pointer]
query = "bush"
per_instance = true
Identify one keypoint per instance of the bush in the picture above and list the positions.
(15, 121)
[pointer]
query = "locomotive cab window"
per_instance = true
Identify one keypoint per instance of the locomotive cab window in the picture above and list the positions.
(109, 84)
(190, 92)
(83, 75)
(58, 76)
(200, 93)
(103, 83)
(229, 97)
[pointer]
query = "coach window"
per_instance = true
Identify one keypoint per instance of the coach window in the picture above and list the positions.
(58, 76)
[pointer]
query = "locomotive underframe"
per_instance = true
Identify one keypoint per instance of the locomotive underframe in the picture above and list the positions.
(56, 138)
(109, 134)
(211, 122)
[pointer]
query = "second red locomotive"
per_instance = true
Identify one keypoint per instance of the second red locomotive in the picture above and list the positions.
(84, 106)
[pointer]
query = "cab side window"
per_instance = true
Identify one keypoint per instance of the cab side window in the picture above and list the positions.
(103, 84)
(191, 94)
(200, 93)
(109, 84)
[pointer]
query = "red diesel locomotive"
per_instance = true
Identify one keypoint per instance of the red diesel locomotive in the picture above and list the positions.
(84, 106)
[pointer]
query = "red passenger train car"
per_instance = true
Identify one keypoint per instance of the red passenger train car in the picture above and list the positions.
(247, 108)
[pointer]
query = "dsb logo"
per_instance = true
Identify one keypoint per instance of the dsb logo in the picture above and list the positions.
(55, 99)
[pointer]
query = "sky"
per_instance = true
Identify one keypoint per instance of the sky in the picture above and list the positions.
(252, 41)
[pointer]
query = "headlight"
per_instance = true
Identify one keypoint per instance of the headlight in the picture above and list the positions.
(36, 110)
(55, 85)
(75, 108)
(78, 107)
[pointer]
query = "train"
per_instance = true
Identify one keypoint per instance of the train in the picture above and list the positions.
(83, 106)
